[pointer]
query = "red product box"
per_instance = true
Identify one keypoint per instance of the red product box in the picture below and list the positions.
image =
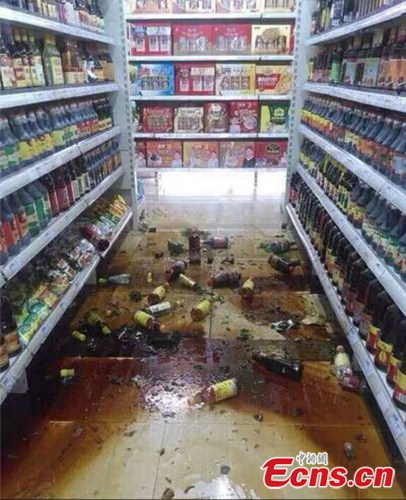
(140, 154)
(164, 154)
(271, 154)
(232, 39)
(192, 39)
(157, 119)
(195, 78)
(243, 116)
(149, 38)
(237, 154)
(200, 154)
(215, 117)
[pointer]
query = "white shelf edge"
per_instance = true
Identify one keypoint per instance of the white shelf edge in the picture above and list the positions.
(118, 230)
(56, 226)
(147, 170)
(20, 362)
(373, 98)
(28, 97)
(25, 176)
(376, 380)
(388, 14)
(211, 98)
(192, 16)
(208, 58)
(384, 186)
(25, 18)
(393, 284)
(204, 135)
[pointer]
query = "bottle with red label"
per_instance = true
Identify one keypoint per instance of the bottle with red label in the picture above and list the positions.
(21, 217)
(399, 345)
(383, 301)
(10, 228)
(3, 246)
(49, 184)
(61, 191)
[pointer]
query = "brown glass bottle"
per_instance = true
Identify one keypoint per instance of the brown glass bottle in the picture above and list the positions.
(352, 259)
(9, 328)
(386, 337)
(365, 318)
(352, 289)
(399, 345)
(383, 301)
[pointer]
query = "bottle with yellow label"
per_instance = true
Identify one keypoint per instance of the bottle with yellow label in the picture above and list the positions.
(216, 392)
(203, 308)
(52, 62)
(384, 344)
(248, 289)
(383, 301)
(158, 294)
(94, 320)
(399, 346)
(146, 320)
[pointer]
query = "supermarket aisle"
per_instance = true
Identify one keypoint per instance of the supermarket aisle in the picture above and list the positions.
(123, 429)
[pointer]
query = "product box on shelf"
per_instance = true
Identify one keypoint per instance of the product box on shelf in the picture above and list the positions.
(232, 39)
(149, 6)
(275, 117)
(164, 154)
(136, 115)
(238, 6)
(152, 79)
(243, 116)
(140, 154)
(271, 39)
(279, 5)
(271, 154)
(188, 119)
(195, 78)
(200, 154)
(237, 154)
(157, 119)
(235, 79)
(189, 39)
(272, 79)
(193, 6)
(149, 38)
(216, 117)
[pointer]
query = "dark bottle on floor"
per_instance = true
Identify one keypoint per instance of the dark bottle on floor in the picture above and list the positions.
(194, 248)
(287, 367)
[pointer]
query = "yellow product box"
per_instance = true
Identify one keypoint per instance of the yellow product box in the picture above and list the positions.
(200, 154)
(235, 79)
(271, 79)
(271, 39)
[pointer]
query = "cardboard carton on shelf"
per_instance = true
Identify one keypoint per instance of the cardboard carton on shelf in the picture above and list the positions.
(192, 39)
(275, 117)
(140, 154)
(232, 39)
(273, 79)
(243, 116)
(149, 38)
(272, 39)
(193, 6)
(237, 154)
(189, 119)
(234, 78)
(279, 6)
(164, 154)
(200, 154)
(157, 119)
(149, 6)
(215, 117)
(271, 154)
(152, 79)
(239, 6)
(195, 78)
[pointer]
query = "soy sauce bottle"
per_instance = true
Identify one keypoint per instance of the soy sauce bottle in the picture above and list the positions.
(366, 315)
(10, 228)
(386, 337)
(21, 218)
(399, 345)
(383, 301)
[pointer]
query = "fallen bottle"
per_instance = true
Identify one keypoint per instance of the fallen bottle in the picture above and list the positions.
(216, 392)
(287, 367)
(225, 278)
(285, 266)
(119, 279)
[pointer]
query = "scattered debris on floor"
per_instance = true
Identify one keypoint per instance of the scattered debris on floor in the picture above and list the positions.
(135, 296)
(175, 248)
(168, 494)
(119, 279)
(277, 247)
(349, 451)
(284, 326)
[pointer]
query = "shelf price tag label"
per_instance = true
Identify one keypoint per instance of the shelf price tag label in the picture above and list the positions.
(352, 336)
(367, 366)
(383, 401)
(396, 424)
(9, 381)
(379, 269)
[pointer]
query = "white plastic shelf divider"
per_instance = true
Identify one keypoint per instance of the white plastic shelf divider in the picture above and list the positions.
(393, 193)
(28, 97)
(210, 98)
(202, 135)
(391, 281)
(20, 362)
(12, 182)
(210, 58)
(384, 15)
(371, 97)
(119, 229)
(24, 18)
(254, 16)
(56, 226)
(375, 378)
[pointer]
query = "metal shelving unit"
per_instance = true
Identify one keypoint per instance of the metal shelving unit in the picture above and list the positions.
(28, 97)
(377, 98)
(23, 177)
(26, 19)
(393, 193)
(119, 229)
(214, 16)
(384, 15)
(209, 98)
(212, 58)
(390, 280)
(204, 135)
(394, 417)
(56, 226)
(19, 363)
